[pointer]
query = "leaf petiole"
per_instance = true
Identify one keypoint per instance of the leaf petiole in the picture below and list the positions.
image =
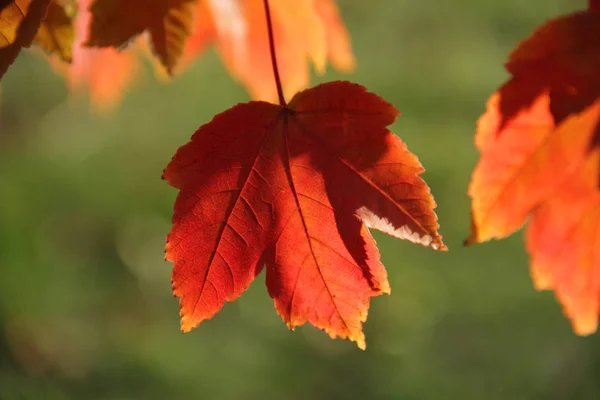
(282, 102)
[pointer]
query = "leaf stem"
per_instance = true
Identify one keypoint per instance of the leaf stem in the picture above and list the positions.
(282, 102)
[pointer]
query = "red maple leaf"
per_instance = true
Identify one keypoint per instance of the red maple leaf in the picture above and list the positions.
(539, 141)
(294, 188)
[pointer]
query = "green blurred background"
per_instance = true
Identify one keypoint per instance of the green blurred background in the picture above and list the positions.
(86, 310)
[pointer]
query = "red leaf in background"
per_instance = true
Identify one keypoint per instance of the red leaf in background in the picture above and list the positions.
(295, 188)
(305, 30)
(538, 142)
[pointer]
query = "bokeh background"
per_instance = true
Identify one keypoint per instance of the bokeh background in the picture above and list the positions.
(86, 310)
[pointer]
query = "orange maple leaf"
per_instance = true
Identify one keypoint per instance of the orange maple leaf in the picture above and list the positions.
(563, 238)
(295, 187)
(305, 30)
(538, 142)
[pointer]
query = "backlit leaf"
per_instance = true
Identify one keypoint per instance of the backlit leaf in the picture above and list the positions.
(539, 141)
(295, 189)
(304, 30)
(563, 239)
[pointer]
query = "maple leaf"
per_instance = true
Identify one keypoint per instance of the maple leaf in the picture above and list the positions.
(294, 188)
(305, 30)
(19, 23)
(169, 22)
(563, 239)
(57, 32)
(536, 140)
(104, 73)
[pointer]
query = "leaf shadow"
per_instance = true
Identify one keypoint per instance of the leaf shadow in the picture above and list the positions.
(568, 95)
(338, 187)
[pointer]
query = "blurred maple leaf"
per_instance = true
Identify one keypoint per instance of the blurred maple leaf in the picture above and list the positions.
(115, 23)
(295, 187)
(304, 30)
(539, 144)
(19, 23)
(104, 73)
(57, 31)
(182, 29)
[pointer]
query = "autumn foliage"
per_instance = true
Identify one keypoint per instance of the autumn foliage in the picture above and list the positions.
(306, 30)
(290, 187)
(84, 39)
(293, 188)
(539, 142)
